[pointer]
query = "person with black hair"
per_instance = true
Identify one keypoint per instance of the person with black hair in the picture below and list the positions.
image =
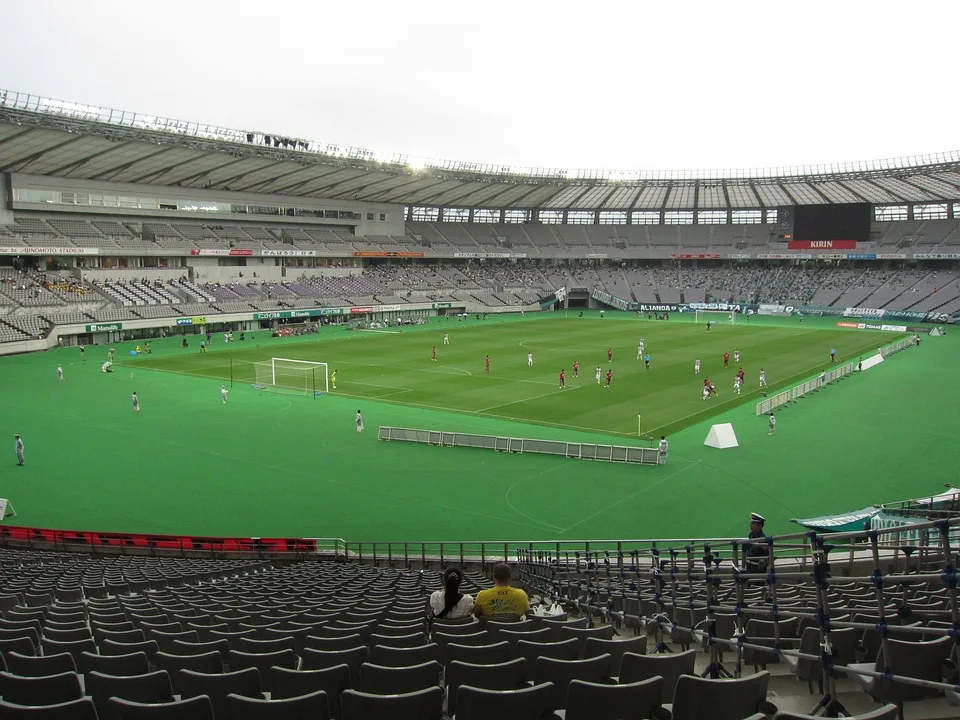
(450, 603)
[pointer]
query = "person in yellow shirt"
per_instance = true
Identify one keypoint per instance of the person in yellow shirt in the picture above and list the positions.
(501, 599)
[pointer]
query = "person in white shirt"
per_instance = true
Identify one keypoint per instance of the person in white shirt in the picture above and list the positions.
(763, 378)
(696, 366)
(736, 356)
(450, 603)
(737, 385)
(223, 393)
(772, 427)
(529, 359)
(446, 338)
(663, 447)
(598, 374)
(359, 422)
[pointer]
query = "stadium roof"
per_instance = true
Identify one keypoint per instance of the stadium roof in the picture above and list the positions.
(64, 139)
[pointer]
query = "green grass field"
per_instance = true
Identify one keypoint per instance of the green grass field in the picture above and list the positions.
(396, 366)
(283, 464)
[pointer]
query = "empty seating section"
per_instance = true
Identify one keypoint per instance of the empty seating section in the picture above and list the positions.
(168, 629)
(32, 303)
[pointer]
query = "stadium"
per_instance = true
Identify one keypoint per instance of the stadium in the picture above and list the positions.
(276, 387)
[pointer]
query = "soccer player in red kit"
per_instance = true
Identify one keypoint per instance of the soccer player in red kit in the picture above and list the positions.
(740, 374)
(434, 358)
(486, 365)
(609, 378)
(563, 379)
(726, 359)
(576, 369)
(609, 354)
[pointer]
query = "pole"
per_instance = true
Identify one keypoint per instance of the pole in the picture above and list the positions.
(639, 425)
(231, 373)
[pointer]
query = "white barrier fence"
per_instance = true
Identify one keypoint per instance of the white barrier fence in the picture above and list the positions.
(824, 379)
(580, 451)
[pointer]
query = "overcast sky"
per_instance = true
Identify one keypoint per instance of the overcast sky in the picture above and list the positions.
(625, 85)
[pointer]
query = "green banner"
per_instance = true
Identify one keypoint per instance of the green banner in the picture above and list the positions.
(283, 314)
(441, 306)
(104, 327)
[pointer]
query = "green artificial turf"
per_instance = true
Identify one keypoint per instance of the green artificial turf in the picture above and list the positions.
(287, 464)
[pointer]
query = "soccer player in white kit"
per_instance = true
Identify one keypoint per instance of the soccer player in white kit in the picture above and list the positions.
(736, 356)
(663, 448)
(763, 378)
(136, 402)
(737, 385)
(446, 338)
(529, 359)
(598, 374)
(60, 372)
(223, 393)
(359, 422)
(772, 427)
(696, 366)
(706, 392)
(640, 347)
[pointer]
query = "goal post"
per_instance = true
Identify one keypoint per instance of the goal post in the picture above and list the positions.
(299, 376)
(729, 317)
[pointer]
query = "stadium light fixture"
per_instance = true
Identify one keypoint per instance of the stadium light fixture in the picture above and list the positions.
(416, 163)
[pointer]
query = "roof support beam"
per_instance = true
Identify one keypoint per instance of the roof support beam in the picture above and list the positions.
(306, 181)
(261, 183)
(19, 165)
(84, 160)
(113, 172)
(153, 174)
(13, 137)
(203, 173)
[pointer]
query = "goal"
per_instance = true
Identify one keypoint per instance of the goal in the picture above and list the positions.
(299, 376)
(701, 317)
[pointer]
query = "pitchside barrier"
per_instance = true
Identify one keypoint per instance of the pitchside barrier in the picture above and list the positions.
(782, 398)
(580, 451)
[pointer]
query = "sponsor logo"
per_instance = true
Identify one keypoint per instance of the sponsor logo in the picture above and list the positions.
(597, 256)
(765, 309)
(54, 250)
(783, 256)
(696, 257)
(863, 312)
(644, 307)
(360, 310)
(851, 325)
(184, 321)
(491, 255)
(936, 256)
(739, 256)
(725, 307)
(288, 253)
(442, 306)
(861, 256)
(891, 256)
(104, 327)
(199, 321)
(378, 253)
(822, 245)
(220, 252)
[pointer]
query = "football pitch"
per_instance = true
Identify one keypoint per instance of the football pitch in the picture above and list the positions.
(397, 366)
(271, 464)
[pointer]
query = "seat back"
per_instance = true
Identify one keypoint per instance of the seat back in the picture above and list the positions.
(601, 701)
(616, 649)
(263, 662)
(562, 650)
(603, 632)
(385, 680)
(561, 672)
(887, 712)
(699, 698)
(195, 708)
(294, 683)
(532, 702)
(152, 687)
(217, 686)
(422, 705)
(634, 668)
(211, 663)
(43, 690)
(321, 659)
(404, 656)
(79, 709)
(479, 654)
(38, 666)
(313, 706)
(511, 675)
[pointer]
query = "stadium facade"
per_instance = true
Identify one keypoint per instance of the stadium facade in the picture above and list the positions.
(295, 229)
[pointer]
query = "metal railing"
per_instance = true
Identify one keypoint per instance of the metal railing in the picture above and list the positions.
(685, 590)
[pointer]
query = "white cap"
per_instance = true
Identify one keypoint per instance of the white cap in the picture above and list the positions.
(757, 518)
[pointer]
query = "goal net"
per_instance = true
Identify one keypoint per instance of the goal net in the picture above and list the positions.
(702, 317)
(299, 376)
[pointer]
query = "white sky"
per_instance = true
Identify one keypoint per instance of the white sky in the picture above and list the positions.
(607, 85)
